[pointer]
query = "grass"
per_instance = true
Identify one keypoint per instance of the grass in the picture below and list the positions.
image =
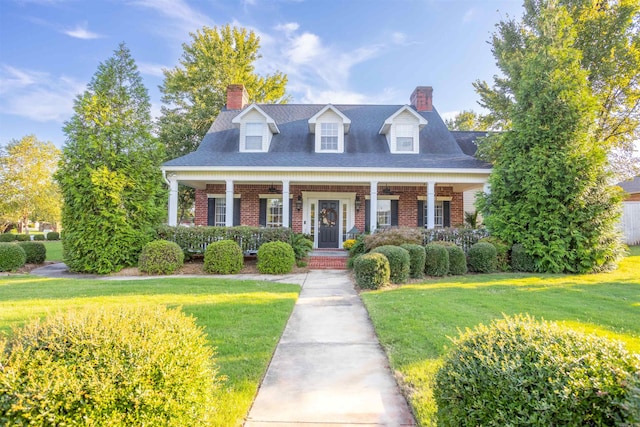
(414, 322)
(54, 250)
(243, 319)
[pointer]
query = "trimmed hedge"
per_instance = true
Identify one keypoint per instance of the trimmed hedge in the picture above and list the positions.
(371, 270)
(483, 258)
(223, 257)
(7, 237)
(36, 252)
(53, 235)
(437, 260)
(517, 371)
(23, 237)
(399, 262)
(125, 366)
(194, 240)
(12, 256)
(160, 257)
(417, 257)
(521, 260)
(502, 252)
(276, 258)
(38, 237)
(457, 260)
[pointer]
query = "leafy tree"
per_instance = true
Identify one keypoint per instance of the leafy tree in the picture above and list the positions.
(195, 91)
(28, 190)
(549, 187)
(109, 173)
(606, 35)
(467, 120)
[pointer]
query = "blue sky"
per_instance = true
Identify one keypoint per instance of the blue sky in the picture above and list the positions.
(361, 51)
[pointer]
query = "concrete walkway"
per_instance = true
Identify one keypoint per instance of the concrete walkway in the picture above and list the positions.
(329, 368)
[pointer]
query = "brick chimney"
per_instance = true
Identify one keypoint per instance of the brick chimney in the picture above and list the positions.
(422, 98)
(237, 97)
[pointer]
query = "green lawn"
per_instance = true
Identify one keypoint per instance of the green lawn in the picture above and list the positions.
(54, 250)
(243, 319)
(414, 322)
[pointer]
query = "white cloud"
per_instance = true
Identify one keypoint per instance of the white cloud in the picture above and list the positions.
(151, 69)
(181, 16)
(288, 28)
(399, 38)
(305, 48)
(469, 15)
(37, 95)
(81, 31)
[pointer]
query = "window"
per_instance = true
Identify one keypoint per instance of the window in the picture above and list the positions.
(442, 214)
(404, 138)
(253, 136)
(384, 213)
(328, 136)
(439, 215)
(274, 213)
(220, 212)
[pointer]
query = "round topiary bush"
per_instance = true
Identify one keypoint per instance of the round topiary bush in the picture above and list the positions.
(7, 237)
(437, 260)
(36, 252)
(457, 260)
(38, 237)
(275, 258)
(399, 262)
(417, 257)
(12, 257)
(223, 257)
(121, 366)
(521, 260)
(160, 257)
(371, 270)
(53, 235)
(502, 252)
(483, 258)
(519, 371)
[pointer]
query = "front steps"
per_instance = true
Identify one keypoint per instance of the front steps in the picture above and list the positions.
(328, 259)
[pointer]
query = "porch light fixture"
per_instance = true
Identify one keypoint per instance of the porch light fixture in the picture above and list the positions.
(358, 203)
(353, 233)
(299, 203)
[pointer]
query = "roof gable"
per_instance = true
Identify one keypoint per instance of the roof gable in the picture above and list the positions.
(329, 107)
(237, 120)
(386, 126)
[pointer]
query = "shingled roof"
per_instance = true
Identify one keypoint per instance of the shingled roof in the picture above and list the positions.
(294, 145)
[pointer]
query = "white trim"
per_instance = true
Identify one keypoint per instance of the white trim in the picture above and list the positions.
(346, 122)
(385, 197)
(273, 196)
(438, 198)
(376, 171)
(311, 197)
(386, 126)
(221, 195)
(237, 120)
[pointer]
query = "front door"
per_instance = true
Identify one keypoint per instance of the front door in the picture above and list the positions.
(328, 223)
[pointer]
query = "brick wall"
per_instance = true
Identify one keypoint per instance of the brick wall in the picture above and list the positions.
(250, 202)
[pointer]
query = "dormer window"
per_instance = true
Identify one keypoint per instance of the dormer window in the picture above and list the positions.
(404, 138)
(329, 126)
(253, 135)
(402, 130)
(329, 136)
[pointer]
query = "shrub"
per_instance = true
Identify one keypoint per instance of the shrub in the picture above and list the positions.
(417, 257)
(393, 237)
(457, 260)
(483, 258)
(521, 260)
(123, 366)
(437, 260)
(23, 237)
(301, 246)
(223, 257)
(53, 235)
(399, 262)
(519, 371)
(371, 270)
(502, 252)
(12, 257)
(36, 252)
(160, 257)
(463, 237)
(348, 244)
(275, 258)
(38, 237)
(7, 237)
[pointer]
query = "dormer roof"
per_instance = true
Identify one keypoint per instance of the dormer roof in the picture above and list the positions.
(273, 127)
(345, 120)
(422, 122)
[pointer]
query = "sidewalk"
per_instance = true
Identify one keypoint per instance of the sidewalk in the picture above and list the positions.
(329, 368)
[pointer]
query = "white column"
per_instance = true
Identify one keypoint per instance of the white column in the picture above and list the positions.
(173, 201)
(431, 204)
(373, 205)
(285, 204)
(229, 204)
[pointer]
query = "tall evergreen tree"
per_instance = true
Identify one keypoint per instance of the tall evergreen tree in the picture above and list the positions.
(549, 187)
(195, 91)
(109, 173)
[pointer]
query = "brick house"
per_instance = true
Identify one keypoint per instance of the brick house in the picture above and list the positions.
(324, 169)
